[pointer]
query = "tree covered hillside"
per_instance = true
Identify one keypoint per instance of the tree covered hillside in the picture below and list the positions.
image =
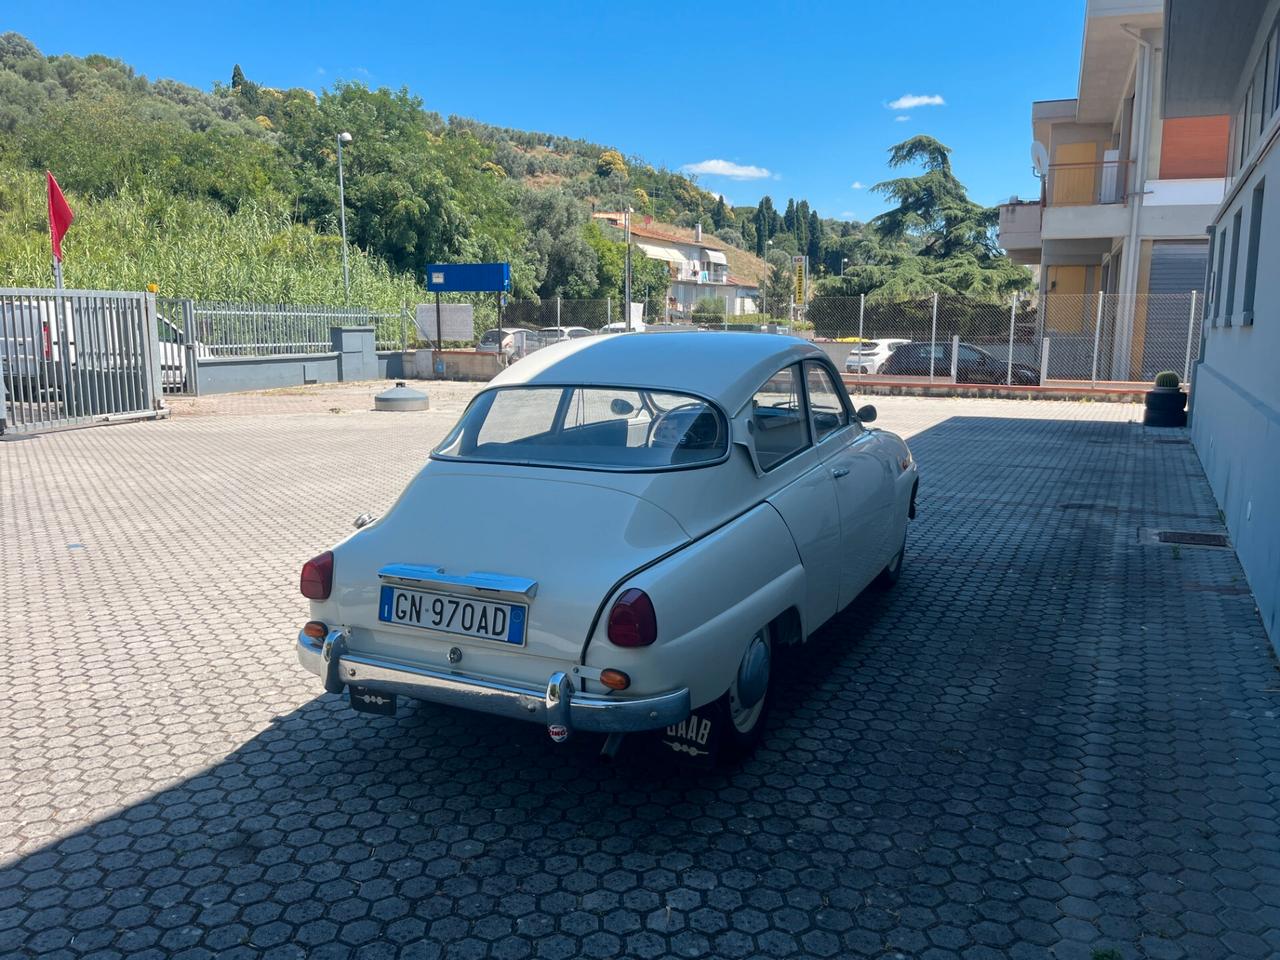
(232, 194)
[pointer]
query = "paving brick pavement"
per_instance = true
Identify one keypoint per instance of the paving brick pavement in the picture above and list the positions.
(1052, 739)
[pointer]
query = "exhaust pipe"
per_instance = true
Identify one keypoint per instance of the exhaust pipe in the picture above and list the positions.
(609, 751)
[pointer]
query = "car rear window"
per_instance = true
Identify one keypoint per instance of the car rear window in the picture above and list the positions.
(602, 428)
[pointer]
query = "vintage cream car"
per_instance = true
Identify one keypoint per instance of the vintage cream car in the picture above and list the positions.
(615, 537)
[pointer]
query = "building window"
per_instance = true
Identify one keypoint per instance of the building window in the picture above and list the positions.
(1269, 83)
(1273, 68)
(1237, 139)
(1217, 275)
(1233, 266)
(1257, 116)
(1210, 302)
(1251, 258)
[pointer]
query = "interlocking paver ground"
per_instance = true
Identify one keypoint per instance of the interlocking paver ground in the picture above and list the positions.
(1051, 739)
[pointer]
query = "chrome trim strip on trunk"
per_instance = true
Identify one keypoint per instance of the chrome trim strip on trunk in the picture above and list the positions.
(480, 582)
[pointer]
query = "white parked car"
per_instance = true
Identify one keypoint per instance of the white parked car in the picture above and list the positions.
(620, 326)
(511, 342)
(686, 507)
(869, 356)
(550, 335)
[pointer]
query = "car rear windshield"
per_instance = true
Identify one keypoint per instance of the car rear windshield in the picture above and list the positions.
(603, 428)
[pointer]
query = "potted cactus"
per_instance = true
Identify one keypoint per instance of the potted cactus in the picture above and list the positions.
(1166, 404)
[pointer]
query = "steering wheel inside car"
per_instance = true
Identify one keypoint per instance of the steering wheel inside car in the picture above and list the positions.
(690, 426)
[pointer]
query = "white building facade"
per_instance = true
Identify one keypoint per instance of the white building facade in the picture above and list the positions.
(1222, 58)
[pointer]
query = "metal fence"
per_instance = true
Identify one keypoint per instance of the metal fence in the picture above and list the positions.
(225, 329)
(598, 315)
(1067, 337)
(73, 357)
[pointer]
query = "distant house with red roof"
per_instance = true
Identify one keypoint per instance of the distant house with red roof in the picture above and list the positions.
(699, 266)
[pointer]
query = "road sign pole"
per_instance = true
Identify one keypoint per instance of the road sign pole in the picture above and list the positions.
(439, 358)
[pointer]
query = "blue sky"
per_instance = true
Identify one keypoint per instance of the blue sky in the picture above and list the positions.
(789, 99)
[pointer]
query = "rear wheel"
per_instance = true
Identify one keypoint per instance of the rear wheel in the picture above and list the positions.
(745, 705)
(890, 574)
(726, 731)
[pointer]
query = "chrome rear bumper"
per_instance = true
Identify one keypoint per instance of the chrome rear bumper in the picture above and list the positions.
(559, 706)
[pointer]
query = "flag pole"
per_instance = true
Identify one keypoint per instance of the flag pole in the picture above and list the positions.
(57, 273)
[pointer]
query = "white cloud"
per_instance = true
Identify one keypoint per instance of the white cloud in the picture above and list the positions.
(727, 168)
(901, 118)
(909, 101)
(857, 185)
(847, 214)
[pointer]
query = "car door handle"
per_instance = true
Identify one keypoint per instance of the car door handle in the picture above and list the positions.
(839, 472)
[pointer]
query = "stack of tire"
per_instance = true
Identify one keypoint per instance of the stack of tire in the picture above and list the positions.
(1166, 404)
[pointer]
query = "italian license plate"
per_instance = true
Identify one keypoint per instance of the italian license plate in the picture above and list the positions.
(450, 613)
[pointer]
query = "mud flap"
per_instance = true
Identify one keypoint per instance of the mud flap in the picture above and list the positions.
(696, 741)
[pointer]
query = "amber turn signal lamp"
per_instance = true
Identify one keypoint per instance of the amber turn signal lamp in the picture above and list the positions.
(615, 679)
(315, 629)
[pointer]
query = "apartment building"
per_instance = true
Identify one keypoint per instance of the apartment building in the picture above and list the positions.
(1221, 59)
(698, 267)
(1126, 193)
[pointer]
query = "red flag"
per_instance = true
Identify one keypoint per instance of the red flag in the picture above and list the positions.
(60, 216)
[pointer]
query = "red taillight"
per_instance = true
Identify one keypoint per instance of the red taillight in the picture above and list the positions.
(317, 576)
(48, 342)
(632, 622)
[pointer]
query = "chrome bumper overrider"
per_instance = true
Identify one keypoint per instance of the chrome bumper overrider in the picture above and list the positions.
(559, 706)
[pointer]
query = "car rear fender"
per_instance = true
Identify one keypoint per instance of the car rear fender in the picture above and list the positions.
(710, 598)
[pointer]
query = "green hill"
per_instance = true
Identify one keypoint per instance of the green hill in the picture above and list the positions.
(232, 192)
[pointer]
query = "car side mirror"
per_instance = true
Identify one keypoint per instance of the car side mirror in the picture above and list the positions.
(621, 408)
(867, 414)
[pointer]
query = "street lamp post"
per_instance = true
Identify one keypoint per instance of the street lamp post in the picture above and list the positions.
(764, 293)
(843, 262)
(626, 286)
(343, 137)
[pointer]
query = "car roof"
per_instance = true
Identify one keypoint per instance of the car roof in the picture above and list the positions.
(725, 367)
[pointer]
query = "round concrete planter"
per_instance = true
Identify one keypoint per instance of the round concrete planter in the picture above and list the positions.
(1165, 407)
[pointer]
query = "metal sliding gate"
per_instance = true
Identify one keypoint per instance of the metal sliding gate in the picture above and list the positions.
(75, 357)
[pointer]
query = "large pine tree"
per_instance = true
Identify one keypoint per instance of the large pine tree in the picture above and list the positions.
(935, 239)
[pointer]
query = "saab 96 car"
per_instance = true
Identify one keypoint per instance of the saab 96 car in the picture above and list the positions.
(689, 503)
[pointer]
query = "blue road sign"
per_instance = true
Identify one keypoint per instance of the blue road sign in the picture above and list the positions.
(468, 277)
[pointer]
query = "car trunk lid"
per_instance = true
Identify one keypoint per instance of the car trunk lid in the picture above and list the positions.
(547, 549)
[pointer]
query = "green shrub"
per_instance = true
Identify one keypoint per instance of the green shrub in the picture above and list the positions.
(1167, 380)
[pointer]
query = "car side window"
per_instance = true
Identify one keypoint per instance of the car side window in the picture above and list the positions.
(825, 403)
(970, 355)
(779, 423)
(911, 354)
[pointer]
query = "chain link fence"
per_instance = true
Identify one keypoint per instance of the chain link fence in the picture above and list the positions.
(1093, 338)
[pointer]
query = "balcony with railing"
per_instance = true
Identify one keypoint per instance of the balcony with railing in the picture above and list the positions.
(692, 271)
(1087, 184)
